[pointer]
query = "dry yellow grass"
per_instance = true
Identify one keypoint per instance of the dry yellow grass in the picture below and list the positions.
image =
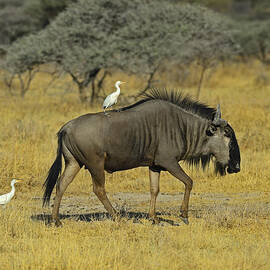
(231, 233)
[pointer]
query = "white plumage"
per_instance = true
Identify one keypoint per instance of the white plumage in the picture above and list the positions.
(111, 99)
(4, 199)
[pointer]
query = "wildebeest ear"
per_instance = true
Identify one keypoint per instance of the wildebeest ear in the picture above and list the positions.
(211, 130)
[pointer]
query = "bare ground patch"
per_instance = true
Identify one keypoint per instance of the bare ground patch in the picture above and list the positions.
(225, 210)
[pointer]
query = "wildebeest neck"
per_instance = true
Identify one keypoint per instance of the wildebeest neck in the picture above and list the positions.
(169, 127)
(192, 133)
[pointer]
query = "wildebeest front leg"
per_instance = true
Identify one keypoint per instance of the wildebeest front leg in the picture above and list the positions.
(98, 177)
(154, 190)
(174, 168)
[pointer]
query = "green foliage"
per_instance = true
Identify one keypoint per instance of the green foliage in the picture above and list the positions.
(254, 38)
(261, 9)
(26, 53)
(220, 5)
(238, 9)
(21, 17)
(100, 34)
(211, 37)
(13, 22)
(44, 11)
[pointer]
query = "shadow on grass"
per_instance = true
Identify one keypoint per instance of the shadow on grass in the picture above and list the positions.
(101, 216)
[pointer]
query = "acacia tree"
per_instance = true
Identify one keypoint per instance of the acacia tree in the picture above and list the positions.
(22, 62)
(95, 35)
(135, 36)
(211, 41)
(188, 33)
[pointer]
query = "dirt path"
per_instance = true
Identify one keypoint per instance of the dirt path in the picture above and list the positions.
(135, 205)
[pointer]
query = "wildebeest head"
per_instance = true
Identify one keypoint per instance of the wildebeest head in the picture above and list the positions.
(223, 145)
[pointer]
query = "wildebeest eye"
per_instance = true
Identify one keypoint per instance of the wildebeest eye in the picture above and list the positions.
(211, 130)
(227, 132)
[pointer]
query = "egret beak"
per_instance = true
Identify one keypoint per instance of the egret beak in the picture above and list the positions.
(123, 82)
(18, 181)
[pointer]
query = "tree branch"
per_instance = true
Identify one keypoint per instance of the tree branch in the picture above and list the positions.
(149, 81)
(74, 78)
(100, 82)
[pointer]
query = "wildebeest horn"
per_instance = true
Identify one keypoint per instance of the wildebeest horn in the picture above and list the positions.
(217, 115)
(218, 121)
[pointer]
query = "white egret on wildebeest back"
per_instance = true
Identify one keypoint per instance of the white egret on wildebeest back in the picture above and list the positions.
(111, 99)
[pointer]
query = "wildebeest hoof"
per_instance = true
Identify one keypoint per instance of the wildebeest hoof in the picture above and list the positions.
(185, 220)
(116, 218)
(155, 220)
(58, 223)
(136, 220)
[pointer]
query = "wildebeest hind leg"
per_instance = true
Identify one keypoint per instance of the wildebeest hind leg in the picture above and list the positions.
(98, 177)
(154, 190)
(71, 169)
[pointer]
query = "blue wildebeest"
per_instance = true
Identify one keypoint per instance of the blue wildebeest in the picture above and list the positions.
(158, 132)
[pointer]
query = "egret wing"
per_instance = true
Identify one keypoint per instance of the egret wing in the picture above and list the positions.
(4, 199)
(108, 101)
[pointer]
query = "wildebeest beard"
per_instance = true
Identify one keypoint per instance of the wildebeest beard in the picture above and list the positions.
(220, 168)
(204, 160)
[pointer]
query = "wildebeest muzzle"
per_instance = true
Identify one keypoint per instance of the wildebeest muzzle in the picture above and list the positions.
(233, 169)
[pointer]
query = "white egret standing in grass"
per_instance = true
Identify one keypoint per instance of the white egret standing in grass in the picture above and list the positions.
(111, 99)
(4, 199)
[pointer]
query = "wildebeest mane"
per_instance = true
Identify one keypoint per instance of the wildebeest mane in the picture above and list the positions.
(176, 97)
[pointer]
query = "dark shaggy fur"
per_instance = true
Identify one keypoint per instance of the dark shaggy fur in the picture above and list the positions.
(177, 98)
(54, 172)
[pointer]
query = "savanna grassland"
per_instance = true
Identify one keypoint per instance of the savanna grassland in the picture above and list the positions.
(229, 216)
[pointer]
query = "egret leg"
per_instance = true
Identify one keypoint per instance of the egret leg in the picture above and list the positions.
(106, 113)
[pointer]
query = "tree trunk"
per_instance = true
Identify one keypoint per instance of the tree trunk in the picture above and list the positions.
(26, 81)
(262, 52)
(149, 81)
(93, 95)
(82, 93)
(9, 83)
(100, 83)
(201, 81)
(83, 84)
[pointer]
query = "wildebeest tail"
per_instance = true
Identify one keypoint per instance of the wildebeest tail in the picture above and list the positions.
(54, 172)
